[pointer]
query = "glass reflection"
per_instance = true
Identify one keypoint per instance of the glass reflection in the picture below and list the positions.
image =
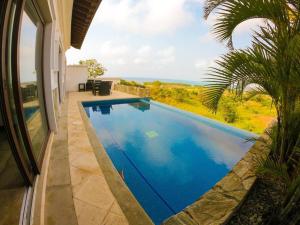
(105, 109)
(10, 89)
(142, 106)
(31, 79)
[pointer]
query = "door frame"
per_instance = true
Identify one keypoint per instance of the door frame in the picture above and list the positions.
(4, 96)
(17, 88)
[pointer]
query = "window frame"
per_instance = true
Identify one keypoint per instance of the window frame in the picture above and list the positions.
(36, 162)
(17, 87)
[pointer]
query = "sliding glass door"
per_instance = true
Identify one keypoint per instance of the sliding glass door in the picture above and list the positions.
(24, 127)
(31, 79)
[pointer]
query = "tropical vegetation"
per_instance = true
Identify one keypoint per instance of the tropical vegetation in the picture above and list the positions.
(95, 68)
(131, 83)
(271, 65)
(253, 115)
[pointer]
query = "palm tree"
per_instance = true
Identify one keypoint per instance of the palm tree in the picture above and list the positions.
(271, 65)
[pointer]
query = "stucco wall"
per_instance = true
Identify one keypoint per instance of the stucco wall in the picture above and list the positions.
(63, 16)
(57, 15)
(75, 74)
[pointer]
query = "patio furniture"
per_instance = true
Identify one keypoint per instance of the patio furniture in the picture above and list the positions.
(102, 87)
(81, 87)
(89, 85)
(105, 88)
(96, 87)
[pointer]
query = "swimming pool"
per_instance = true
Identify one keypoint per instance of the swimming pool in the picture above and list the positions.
(167, 157)
(30, 111)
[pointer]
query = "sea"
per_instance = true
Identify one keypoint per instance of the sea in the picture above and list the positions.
(142, 80)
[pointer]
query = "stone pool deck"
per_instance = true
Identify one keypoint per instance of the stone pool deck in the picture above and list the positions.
(77, 191)
(93, 199)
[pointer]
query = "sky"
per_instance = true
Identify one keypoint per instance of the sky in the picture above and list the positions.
(167, 39)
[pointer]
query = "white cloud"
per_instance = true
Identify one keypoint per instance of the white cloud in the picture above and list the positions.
(167, 51)
(144, 50)
(144, 55)
(207, 38)
(145, 17)
(140, 61)
(147, 55)
(120, 61)
(166, 55)
(110, 49)
(203, 63)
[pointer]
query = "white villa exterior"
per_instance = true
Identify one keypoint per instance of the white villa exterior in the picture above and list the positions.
(35, 34)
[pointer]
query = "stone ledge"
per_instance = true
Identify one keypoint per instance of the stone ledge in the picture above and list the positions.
(218, 205)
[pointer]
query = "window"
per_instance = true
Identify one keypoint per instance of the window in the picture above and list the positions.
(31, 78)
(23, 122)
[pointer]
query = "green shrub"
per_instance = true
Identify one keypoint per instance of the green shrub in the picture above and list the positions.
(229, 112)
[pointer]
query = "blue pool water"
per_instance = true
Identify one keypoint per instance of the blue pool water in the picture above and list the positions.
(168, 158)
(29, 111)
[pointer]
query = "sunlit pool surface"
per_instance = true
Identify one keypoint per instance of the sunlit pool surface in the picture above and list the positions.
(168, 158)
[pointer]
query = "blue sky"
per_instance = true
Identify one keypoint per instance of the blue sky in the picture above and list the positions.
(166, 39)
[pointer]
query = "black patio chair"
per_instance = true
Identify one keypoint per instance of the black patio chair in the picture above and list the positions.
(96, 87)
(105, 88)
(89, 85)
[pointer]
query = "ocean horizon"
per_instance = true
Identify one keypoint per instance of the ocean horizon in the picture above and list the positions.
(142, 80)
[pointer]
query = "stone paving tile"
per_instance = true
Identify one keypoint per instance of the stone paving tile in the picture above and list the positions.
(89, 214)
(84, 160)
(59, 205)
(78, 177)
(116, 209)
(60, 174)
(95, 192)
(93, 199)
(113, 219)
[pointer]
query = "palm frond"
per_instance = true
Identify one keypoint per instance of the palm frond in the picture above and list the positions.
(236, 70)
(258, 90)
(210, 5)
(274, 169)
(232, 13)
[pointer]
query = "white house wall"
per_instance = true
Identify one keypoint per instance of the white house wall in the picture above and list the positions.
(56, 43)
(75, 74)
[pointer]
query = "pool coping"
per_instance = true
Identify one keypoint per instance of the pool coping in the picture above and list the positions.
(131, 208)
